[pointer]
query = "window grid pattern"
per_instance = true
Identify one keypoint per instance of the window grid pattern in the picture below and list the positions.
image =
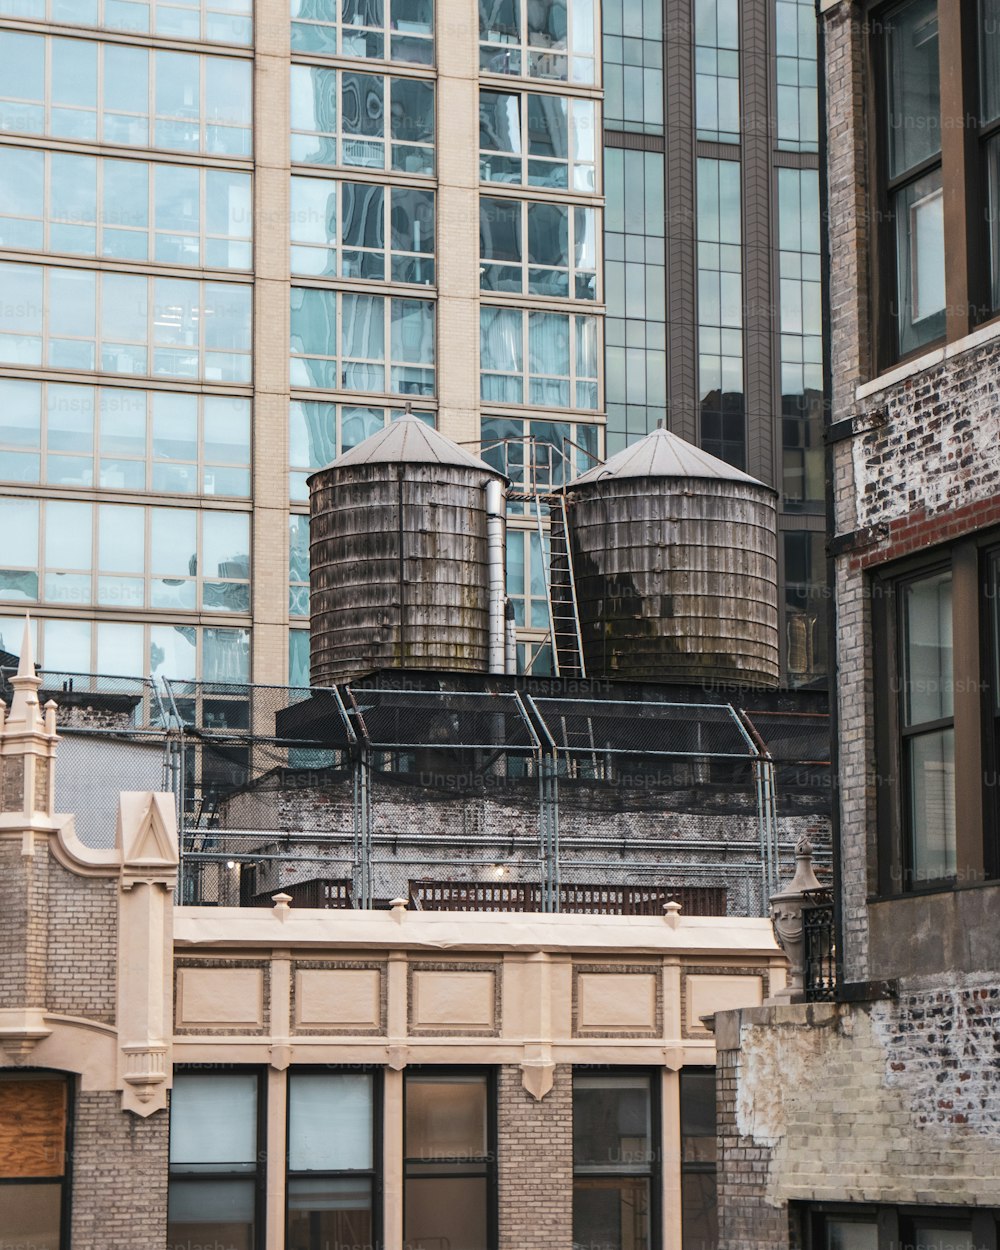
(339, 117)
(543, 454)
(527, 561)
(384, 345)
(124, 210)
(553, 39)
(389, 30)
(210, 21)
(73, 554)
(119, 94)
(56, 434)
(319, 432)
(298, 565)
(801, 340)
(805, 605)
(796, 75)
(362, 230)
(537, 140)
(541, 359)
(717, 70)
(635, 381)
(537, 248)
(720, 311)
(83, 319)
(633, 65)
(182, 652)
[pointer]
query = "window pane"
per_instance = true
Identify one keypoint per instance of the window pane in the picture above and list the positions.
(989, 52)
(914, 90)
(931, 771)
(934, 1237)
(334, 1212)
(611, 1124)
(30, 1216)
(929, 687)
(700, 1223)
(210, 1213)
(611, 1214)
(446, 1117)
(213, 1122)
(330, 1122)
(851, 1235)
(445, 1211)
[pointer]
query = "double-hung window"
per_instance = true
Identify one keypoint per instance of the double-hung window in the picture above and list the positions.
(332, 1193)
(614, 1161)
(216, 1135)
(449, 1195)
(913, 269)
(935, 75)
(937, 668)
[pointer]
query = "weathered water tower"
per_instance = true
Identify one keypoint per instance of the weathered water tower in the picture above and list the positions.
(406, 557)
(675, 558)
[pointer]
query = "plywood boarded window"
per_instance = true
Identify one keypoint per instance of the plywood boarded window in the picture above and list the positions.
(33, 1159)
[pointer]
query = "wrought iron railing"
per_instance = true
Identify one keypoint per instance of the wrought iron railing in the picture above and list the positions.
(820, 947)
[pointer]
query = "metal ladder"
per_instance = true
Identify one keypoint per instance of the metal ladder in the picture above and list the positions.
(560, 586)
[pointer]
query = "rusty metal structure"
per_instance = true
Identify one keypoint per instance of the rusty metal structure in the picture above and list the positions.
(400, 552)
(675, 560)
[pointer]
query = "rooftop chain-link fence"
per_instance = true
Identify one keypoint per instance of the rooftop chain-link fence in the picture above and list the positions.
(457, 799)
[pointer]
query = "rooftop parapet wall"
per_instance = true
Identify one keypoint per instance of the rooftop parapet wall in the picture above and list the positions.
(893, 1102)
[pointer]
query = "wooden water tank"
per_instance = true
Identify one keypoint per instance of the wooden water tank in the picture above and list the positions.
(675, 558)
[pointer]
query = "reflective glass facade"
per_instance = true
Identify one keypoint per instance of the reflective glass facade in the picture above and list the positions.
(635, 249)
(720, 311)
(711, 252)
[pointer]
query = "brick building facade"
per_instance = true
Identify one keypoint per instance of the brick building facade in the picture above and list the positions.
(402, 1078)
(874, 1118)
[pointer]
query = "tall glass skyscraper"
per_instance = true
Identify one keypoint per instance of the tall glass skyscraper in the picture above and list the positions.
(236, 238)
(712, 259)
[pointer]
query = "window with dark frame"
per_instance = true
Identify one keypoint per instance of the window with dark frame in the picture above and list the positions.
(333, 1176)
(907, 70)
(450, 1180)
(837, 1227)
(988, 14)
(615, 1161)
(935, 80)
(937, 669)
(35, 1127)
(699, 1210)
(216, 1150)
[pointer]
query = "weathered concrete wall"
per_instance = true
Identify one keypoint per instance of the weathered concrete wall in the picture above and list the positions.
(893, 1102)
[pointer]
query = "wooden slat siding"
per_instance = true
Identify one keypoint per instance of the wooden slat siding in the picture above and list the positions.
(592, 900)
(319, 892)
(32, 1128)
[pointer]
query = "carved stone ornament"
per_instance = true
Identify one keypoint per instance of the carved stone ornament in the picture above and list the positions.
(786, 919)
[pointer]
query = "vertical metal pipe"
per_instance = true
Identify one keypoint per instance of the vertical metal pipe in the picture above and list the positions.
(510, 640)
(495, 572)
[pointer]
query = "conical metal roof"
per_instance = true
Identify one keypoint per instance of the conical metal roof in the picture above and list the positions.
(408, 440)
(663, 454)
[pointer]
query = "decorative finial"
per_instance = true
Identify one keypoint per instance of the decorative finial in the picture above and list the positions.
(24, 710)
(26, 665)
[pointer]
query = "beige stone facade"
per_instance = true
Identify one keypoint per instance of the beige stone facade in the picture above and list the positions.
(107, 981)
